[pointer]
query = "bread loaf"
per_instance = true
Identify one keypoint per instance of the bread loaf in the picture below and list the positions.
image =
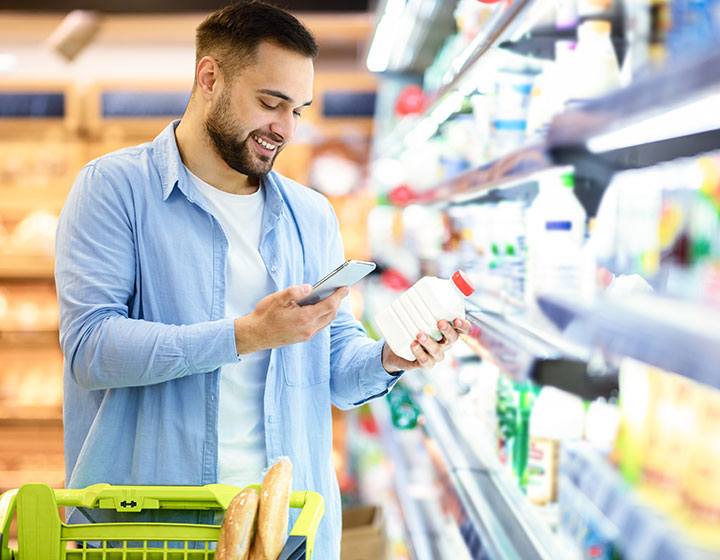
(273, 512)
(237, 529)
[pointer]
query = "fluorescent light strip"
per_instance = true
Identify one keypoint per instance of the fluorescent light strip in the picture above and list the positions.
(382, 44)
(695, 117)
(421, 133)
(424, 130)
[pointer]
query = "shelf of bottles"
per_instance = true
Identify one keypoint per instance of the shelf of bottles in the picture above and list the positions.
(503, 117)
(488, 188)
(596, 502)
(579, 188)
(539, 473)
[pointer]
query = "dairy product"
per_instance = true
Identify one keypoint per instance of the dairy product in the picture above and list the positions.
(556, 416)
(420, 308)
(555, 235)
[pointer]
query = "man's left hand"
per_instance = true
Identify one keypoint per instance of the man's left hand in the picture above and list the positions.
(427, 351)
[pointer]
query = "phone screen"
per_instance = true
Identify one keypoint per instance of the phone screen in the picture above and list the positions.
(345, 275)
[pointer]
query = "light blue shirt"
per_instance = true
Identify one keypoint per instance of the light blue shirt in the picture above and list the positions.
(141, 281)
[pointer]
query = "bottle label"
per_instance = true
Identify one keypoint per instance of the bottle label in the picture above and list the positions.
(542, 471)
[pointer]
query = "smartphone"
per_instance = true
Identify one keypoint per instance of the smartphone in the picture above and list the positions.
(345, 275)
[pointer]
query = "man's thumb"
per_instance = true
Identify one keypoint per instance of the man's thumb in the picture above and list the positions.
(295, 293)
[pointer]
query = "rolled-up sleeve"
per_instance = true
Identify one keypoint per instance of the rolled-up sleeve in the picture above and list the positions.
(357, 373)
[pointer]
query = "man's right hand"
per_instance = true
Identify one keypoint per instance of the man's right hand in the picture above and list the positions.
(278, 321)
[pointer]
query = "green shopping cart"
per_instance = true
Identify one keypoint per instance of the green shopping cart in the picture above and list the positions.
(43, 536)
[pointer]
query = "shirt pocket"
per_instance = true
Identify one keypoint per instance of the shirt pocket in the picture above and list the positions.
(308, 363)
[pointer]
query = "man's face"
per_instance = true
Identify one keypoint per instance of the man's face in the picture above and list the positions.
(257, 114)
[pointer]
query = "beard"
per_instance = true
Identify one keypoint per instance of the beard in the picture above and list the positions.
(222, 129)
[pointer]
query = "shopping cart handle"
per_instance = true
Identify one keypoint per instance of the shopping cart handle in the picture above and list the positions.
(313, 509)
(139, 498)
(294, 548)
(7, 508)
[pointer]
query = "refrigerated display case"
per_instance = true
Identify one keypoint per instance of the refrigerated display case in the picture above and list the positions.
(644, 161)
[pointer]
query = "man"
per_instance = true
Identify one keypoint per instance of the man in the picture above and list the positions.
(178, 264)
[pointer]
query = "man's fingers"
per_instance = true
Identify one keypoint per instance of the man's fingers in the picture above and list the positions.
(424, 360)
(331, 303)
(325, 311)
(431, 346)
(295, 293)
(449, 333)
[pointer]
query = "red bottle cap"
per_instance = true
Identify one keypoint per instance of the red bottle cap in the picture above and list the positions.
(463, 283)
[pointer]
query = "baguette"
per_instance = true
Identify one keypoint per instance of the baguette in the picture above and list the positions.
(273, 512)
(237, 529)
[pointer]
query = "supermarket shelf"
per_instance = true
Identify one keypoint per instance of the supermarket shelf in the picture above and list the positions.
(40, 415)
(48, 419)
(643, 533)
(654, 94)
(540, 40)
(571, 136)
(27, 267)
(419, 533)
(659, 117)
(681, 337)
(507, 173)
(29, 338)
(495, 30)
(507, 525)
(526, 345)
(17, 202)
(15, 479)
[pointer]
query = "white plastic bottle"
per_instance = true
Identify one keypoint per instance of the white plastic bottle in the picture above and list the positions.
(556, 417)
(596, 70)
(420, 308)
(555, 236)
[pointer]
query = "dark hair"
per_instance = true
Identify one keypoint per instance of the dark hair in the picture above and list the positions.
(232, 34)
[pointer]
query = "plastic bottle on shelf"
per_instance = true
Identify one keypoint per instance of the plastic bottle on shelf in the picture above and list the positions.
(595, 69)
(509, 119)
(521, 446)
(556, 416)
(550, 91)
(601, 426)
(510, 223)
(555, 236)
(420, 308)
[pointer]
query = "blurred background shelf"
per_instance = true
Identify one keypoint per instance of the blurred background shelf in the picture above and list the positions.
(690, 85)
(500, 24)
(526, 345)
(27, 267)
(661, 116)
(28, 338)
(642, 532)
(677, 336)
(504, 524)
(418, 503)
(17, 202)
(40, 415)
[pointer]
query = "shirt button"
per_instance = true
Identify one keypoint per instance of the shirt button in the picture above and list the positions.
(271, 419)
(272, 268)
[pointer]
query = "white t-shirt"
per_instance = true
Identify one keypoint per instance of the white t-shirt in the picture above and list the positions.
(241, 429)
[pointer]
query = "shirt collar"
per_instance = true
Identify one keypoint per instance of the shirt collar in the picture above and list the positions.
(172, 172)
(167, 159)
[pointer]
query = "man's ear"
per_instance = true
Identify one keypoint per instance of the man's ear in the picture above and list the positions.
(208, 77)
